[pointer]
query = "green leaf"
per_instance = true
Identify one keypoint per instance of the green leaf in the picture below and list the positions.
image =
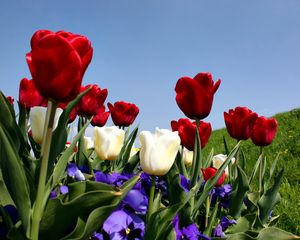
(161, 220)
(264, 234)
(63, 215)
(269, 198)
(255, 168)
(126, 149)
(132, 164)
(209, 159)
(59, 137)
(239, 189)
(15, 179)
(8, 122)
(60, 167)
(86, 227)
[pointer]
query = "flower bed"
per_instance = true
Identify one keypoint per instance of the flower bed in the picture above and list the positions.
(105, 187)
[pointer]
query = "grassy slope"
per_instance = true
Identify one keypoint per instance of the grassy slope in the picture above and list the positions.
(287, 143)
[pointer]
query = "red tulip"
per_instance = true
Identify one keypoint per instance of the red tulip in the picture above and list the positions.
(10, 99)
(210, 172)
(100, 119)
(187, 132)
(29, 95)
(194, 96)
(264, 131)
(73, 113)
(92, 100)
(123, 113)
(57, 63)
(240, 122)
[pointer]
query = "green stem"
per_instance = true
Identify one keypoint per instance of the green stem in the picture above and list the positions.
(197, 160)
(207, 211)
(151, 199)
(40, 202)
(261, 172)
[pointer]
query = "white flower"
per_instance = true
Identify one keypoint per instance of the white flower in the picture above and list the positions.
(158, 151)
(187, 157)
(88, 142)
(37, 118)
(108, 142)
(218, 160)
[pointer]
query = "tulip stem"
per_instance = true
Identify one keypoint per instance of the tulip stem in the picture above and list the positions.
(40, 202)
(207, 211)
(151, 198)
(261, 172)
(197, 158)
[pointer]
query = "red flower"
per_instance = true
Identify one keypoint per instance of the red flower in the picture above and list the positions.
(210, 172)
(73, 113)
(57, 63)
(264, 131)
(123, 113)
(29, 96)
(187, 132)
(92, 100)
(240, 122)
(100, 119)
(194, 96)
(10, 99)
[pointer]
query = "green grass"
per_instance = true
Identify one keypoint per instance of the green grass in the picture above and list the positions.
(287, 144)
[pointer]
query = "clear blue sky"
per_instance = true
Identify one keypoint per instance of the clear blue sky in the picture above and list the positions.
(142, 47)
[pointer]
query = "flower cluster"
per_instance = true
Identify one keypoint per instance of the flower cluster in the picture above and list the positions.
(106, 188)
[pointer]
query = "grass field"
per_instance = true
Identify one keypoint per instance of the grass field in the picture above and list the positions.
(287, 144)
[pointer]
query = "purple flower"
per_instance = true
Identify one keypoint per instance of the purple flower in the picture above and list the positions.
(115, 179)
(121, 225)
(184, 183)
(218, 232)
(159, 184)
(97, 236)
(62, 190)
(13, 213)
(137, 200)
(74, 172)
(221, 193)
(189, 232)
(222, 226)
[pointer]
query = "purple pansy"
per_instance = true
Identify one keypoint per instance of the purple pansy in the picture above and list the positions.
(97, 236)
(221, 193)
(189, 232)
(121, 225)
(225, 222)
(184, 183)
(74, 172)
(159, 184)
(62, 190)
(12, 212)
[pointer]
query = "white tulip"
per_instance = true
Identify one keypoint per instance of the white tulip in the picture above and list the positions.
(158, 151)
(108, 142)
(37, 118)
(187, 157)
(88, 142)
(218, 160)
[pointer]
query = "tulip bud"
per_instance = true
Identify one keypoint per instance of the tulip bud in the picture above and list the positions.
(37, 118)
(108, 142)
(187, 156)
(210, 172)
(88, 142)
(158, 151)
(219, 159)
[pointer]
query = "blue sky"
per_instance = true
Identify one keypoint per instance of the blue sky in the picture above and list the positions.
(142, 47)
